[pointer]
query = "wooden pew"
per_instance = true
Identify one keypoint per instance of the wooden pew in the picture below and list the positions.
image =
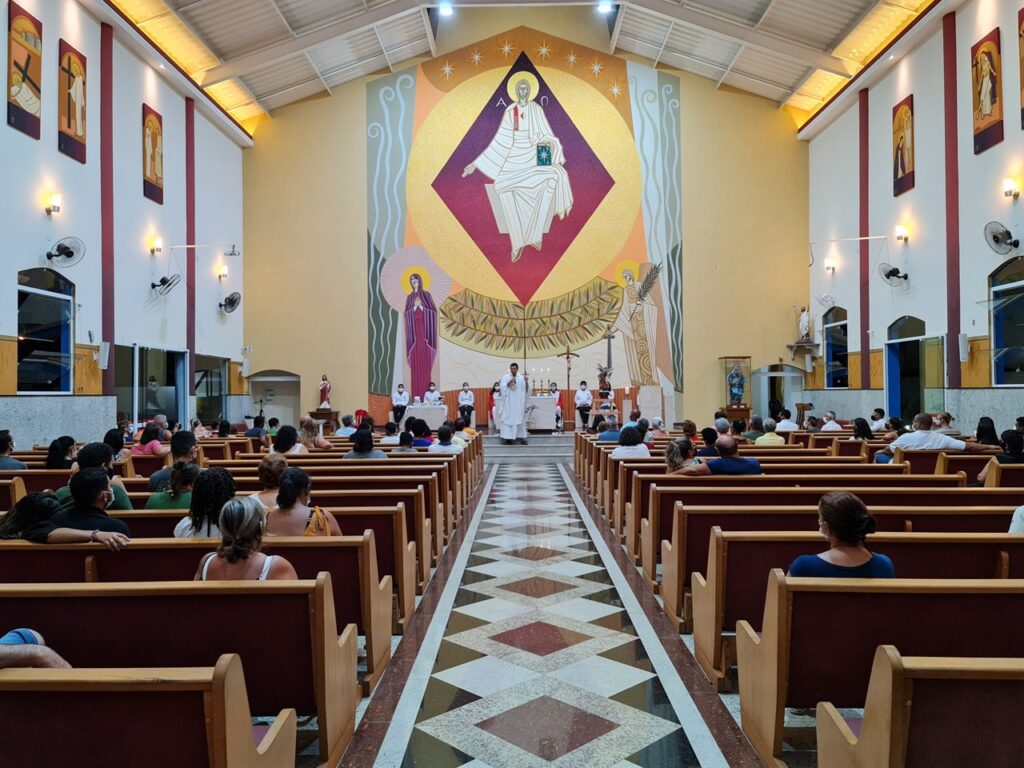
(208, 450)
(361, 598)
(154, 717)
(146, 465)
(786, 667)
(38, 480)
(907, 720)
(739, 561)
(1005, 476)
(285, 632)
(968, 463)
(12, 490)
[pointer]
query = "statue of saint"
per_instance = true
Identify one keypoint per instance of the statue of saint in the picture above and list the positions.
(804, 326)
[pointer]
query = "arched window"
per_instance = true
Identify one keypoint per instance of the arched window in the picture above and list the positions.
(46, 301)
(837, 347)
(907, 327)
(1007, 308)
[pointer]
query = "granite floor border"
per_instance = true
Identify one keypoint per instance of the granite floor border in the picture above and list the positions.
(723, 727)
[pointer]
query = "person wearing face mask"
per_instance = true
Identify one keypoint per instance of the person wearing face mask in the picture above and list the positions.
(6, 449)
(92, 495)
(399, 402)
(584, 403)
(97, 456)
(432, 396)
(553, 391)
(467, 401)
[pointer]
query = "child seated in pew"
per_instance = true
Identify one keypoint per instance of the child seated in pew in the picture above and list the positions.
(183, 476)
(845, 523)
(30, 520)
(238, 558)
(293, 516)
(405, 444)
(26, 648)
(272, 467)
(210, 492)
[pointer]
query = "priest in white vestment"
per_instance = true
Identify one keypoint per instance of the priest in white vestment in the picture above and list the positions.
(515, 394)
(526, 162)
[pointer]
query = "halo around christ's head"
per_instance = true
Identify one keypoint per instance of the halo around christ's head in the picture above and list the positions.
(518, 77)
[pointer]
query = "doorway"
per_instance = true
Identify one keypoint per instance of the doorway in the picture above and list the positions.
(276, 395)
(777, 383)
(914, 369)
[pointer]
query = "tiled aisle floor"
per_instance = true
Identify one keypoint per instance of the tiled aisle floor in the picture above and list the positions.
(541, 661)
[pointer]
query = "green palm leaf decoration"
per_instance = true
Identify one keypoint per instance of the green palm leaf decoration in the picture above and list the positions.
(576, 319)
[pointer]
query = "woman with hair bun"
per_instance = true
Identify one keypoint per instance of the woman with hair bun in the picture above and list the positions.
(293, 516)
(238, 558)
(183, 476)
(845, 523)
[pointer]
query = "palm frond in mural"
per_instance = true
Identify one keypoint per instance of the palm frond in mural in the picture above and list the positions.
(576, 319)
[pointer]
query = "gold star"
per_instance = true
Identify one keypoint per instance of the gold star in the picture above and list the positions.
(596, 68)
(447, 70)
(544, 50)
(476, 57)
(616, 90)
(507, 48)
(572, 58)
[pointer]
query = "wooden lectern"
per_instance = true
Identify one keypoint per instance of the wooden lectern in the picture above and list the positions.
(328, 417)
(741, 411)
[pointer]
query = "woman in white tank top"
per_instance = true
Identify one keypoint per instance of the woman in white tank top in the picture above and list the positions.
(238, 558)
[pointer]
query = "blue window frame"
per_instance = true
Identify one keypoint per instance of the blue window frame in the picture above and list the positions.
(46, 301)
(837, 348)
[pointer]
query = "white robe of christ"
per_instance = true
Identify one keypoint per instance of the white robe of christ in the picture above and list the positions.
(528, 194)
(512, 415)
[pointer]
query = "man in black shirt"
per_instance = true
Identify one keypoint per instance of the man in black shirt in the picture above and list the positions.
(183, 448)
(92, 494)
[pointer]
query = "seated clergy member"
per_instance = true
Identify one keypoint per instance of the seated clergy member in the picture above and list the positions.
(467, 401)
(770, 436)
(362, 447)
(92, 494)
(830, 423)
(293, 516)
(183, 448)
(26, 648)
(877, 420)
(727, 463)
(444, 442)
(179, 493)
(922, 438)
(399, 402)
(432, 396)
(785, 422)
(844, 521)
(238, 558)
(6, 449)
(97, 456)
(29, 519)
(210, 491)
(631, 445)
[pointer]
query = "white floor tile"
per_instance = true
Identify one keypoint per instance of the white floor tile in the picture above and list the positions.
(494, 609)
(500, 568)
(570, 568)
(486, 676)
(602, 676)
(582, 609)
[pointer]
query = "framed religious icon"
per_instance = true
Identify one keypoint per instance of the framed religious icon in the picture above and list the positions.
(71, 113)
(903, 146)
(152, 154)
(24, 70)
(986, 91)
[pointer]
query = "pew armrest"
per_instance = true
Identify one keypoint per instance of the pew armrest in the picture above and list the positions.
(277, 747)
(836, 742)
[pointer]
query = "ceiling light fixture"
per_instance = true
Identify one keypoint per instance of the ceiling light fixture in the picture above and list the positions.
(605, 6)
(445, 9)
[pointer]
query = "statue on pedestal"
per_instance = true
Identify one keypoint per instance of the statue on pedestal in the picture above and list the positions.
(804, 325)
(737, 383)
(325, 393)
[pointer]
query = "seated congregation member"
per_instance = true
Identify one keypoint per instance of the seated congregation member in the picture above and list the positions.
(432, 396)
(736, 430)
(287, 441)
(272, 466)
(612, 433)
(362, 447)
(115, 439)
(689, 429)
(405, 444)
(26, 648)
(179, 491)
(444, 442)
(598, 425)
(467, 402)
(985, 432)
(309, 435)
(631, 445)
(770, 436)
(862, 430)
(845, 523)
(680, 454)
(347, 426)
(224, 428)
(786, 423)
(149, 443)
(238, 558)
(634, 417)
(61, 453)
(164, 429)
(830, 424)
(259, 431)
(923, 438)
(894, 427)
(6, 449)
(210, 491)
(97, 456)
(944, 423)
(1013, 452)
(367, 423)
(756, 429)
(658, 428)
(399, 402)
(92, 495)
(877, 421)
(709, 435)
(293, 516)
(183, 448)
(461, 432)
(644, 427)
(273, 424)
(456, 440)
(29, 519)
(727, 463)
(811, 425)
(390, 434)
(421, 434)
(196, 428)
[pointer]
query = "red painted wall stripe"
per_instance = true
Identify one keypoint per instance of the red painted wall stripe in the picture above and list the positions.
(107, 303)
(865, 246)
(952, 202)
(190, 239)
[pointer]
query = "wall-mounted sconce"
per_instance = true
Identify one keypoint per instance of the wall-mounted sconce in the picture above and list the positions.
(902, 236)
(156, 245)
(222, 272)
(1011, 188)
(830, 265)
(53, 205)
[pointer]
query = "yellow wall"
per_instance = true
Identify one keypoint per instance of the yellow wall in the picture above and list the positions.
(745, 225)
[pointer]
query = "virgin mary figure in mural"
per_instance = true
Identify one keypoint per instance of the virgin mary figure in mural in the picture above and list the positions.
(420, 333)
(526, 163)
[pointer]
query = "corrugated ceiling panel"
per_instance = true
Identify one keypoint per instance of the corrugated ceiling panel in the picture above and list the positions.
(181, 43)
(687, 64)
(818, 23)
(303, 15)
(772, 69)
(346, 51)
(410, 51)
(748, 11)
(820, 85)
(279, 75)
(356, 71)
(756, 86)
(400, 32)
(294, 94)
(872, 33)
(698, 44)
(236, 27)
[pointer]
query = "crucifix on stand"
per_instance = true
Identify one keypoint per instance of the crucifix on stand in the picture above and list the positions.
(609, 336)
(568, 355)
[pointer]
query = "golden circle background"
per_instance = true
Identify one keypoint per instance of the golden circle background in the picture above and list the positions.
(600, 240)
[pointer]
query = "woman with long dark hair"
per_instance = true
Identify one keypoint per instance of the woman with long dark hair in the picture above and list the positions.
(293, 516)
(985, 434)
(210, 491)
(61, 453)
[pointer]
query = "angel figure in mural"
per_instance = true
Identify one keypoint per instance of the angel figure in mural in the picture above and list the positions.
(526, 163)
(737, 383)
(638, 323)
(987, 85)
(420, 333)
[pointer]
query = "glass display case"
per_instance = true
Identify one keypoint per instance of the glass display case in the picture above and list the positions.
(735, 380)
